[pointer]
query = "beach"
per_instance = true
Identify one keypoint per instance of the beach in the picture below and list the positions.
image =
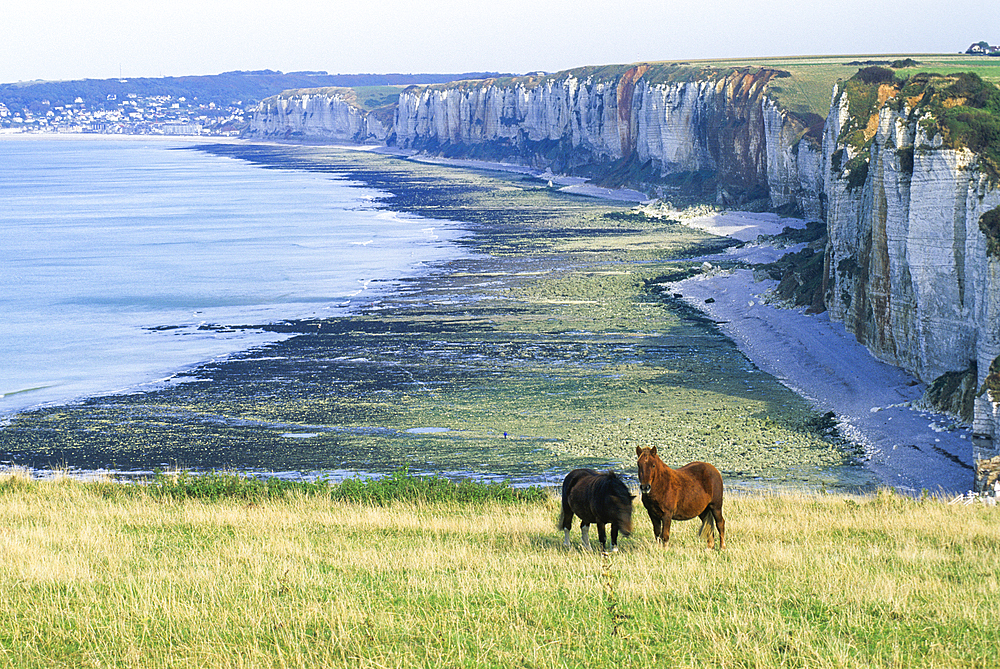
(875, 403)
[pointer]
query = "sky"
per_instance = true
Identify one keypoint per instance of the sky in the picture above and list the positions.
(59, 39)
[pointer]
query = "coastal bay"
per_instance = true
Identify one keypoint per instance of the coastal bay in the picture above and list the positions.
(545, 348)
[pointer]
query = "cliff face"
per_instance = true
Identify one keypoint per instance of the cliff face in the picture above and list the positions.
(323, 114)
(907, 263)
(716, 134)
(721, 132)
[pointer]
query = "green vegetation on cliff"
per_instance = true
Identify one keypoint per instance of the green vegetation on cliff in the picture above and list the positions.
(964, 109)
(805, 90)
(366, 98)
(961, 108)
(989, 223)
(992, 381)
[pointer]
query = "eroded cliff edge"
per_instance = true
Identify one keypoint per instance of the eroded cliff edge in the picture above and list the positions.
(904, 173)
(664, 129)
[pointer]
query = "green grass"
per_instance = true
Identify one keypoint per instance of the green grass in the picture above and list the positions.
(398, 486)
(374, 97)
(809, 88)
(89, 578)
(367, 98)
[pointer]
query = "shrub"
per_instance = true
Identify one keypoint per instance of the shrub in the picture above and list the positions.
(989, 224)
(875, 75)
(992, 381)
(857, 171)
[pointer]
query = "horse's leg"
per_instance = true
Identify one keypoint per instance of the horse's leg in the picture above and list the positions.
(657, 527)
(614, 538)
(585, 532)
(566, 522)
(602, 535)
(665, 535)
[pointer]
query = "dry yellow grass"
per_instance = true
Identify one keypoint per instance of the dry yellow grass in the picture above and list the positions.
(89, 577)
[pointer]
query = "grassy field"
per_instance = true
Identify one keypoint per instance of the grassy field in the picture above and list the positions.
(105, 575)
(808, 89)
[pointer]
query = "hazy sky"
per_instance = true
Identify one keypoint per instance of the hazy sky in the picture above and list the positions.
(58, 39)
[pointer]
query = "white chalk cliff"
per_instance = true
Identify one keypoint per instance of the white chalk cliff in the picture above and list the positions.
(723, 130)
(907, 265)
(327, 114)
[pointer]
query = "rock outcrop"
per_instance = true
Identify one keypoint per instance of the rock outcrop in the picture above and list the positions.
(323, 114)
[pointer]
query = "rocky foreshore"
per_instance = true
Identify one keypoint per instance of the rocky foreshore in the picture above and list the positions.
(548, 348)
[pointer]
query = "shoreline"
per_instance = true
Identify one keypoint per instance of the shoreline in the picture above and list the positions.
(566, 184)
(140, 336)
(822, 362)
(433, 352)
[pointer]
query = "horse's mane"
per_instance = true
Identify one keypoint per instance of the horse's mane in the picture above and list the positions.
(615, 485)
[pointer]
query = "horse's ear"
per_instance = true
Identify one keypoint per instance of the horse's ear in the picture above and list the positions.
(638, 451)
(652, 451)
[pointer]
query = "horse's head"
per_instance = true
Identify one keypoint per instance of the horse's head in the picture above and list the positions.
(620, 503)
(648, 461)
(623, 515)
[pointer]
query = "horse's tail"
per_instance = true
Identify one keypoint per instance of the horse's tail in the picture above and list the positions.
(708, 528)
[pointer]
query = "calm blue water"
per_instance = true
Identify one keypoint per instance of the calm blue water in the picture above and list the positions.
(113, 253)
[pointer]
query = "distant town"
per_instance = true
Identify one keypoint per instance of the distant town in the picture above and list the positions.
(133, 115)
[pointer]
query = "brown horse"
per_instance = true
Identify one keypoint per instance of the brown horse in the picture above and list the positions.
(681, 494)
(596, 498)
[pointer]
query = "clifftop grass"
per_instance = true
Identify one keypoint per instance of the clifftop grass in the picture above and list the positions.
(805, 91)
(367, 98)
(961, 108)
(92, 578)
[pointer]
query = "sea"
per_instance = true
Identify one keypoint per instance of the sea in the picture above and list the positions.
(116, 253)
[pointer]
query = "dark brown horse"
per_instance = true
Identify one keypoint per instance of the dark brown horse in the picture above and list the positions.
(681, 494)
(596, 498)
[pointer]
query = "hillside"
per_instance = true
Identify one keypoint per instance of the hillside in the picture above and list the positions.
(240, 87)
